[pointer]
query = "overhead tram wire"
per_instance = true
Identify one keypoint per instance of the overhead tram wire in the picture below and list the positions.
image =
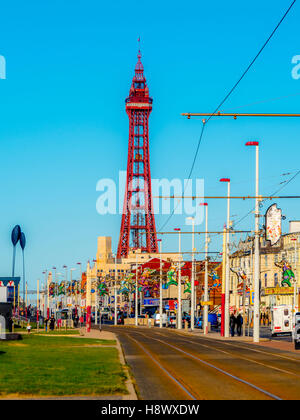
(228, 95)
(279, 189)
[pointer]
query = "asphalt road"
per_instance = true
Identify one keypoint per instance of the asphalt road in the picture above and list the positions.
(170, 365)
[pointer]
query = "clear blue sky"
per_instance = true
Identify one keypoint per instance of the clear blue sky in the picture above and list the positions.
(63, 123)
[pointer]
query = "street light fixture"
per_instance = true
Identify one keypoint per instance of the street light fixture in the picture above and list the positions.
(256, 308)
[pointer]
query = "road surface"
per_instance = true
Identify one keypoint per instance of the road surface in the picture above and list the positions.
(171, 365)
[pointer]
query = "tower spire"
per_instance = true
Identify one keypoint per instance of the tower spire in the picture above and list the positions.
(138, 224)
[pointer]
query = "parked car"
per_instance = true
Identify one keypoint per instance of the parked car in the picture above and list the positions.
(212, 318)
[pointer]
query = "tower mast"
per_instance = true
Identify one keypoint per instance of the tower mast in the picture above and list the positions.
(138, 224)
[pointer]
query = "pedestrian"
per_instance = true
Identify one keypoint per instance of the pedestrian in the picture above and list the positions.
(28, 327)
(239, 323)
(46, 323)
(10, 324)
(76, 321)
(52, 323)
(232, 324)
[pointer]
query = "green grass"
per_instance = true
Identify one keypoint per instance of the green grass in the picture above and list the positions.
(59, 366)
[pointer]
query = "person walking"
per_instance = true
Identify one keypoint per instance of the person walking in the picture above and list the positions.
(239, 323)
(232, 324)
(46, 324)
(76, 321)
(52, 323)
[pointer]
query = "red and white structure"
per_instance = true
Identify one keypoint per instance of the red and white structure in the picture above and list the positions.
(138, 224)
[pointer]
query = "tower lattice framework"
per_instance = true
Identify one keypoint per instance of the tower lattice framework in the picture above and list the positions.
(138, 224)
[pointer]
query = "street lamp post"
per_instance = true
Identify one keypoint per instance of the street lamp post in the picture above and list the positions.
(295, 303)
(205, 311)
(48, 294)
(71, 297)
(256, 312)
(227, 262)
(179, 309)
(193, 275)
(66, 281)
(55, 290)
(160, 283)
(115, 292)
(88, 299)
(78, 298)
(37, 303)
(136, 290)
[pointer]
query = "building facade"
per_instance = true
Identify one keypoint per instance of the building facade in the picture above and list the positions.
(272, 291)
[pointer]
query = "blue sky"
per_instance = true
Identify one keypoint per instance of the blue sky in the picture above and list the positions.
(63, 121)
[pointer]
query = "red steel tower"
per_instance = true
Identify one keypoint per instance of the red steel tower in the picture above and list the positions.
(138, 224)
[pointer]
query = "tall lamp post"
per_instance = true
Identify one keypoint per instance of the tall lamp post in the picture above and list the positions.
(193, 274)
(115, 292)
(295, 303)
(205, 311)
(44, 294)
(66, 281)
(256, 314)
(88, 298)
(179, 310)
(79, 294)
(227, 267)
(136, 290)
(49, 279)
(71, 297)
(55, 290)
(160, 283)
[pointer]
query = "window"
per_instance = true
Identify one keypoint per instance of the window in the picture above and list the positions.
(266, 260)
(275, 279)
(266, 280)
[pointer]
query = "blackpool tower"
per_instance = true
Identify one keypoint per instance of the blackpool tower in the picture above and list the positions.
(138, 223)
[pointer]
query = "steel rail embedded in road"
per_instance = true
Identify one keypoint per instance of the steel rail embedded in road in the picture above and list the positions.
(245, 346)
(178, 383)
(275, 397)
(241, 357)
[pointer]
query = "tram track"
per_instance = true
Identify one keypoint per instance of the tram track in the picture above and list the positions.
(178, 381)
(198, 342)
(174, 365)
(210, 365)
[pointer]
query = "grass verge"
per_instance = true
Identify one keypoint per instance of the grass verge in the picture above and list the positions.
(60, 366)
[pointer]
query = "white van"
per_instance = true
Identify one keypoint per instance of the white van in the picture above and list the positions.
(157, 320)
(296, 332)
(282, 320)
